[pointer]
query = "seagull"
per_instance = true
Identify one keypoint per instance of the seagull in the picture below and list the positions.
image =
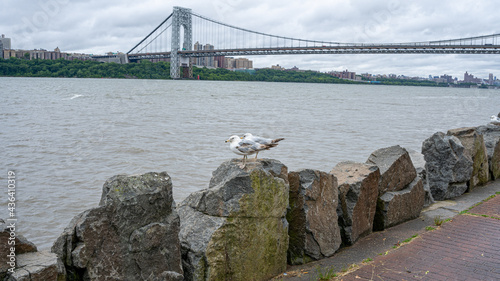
(495, 120)
(246, 147)
(261, 140)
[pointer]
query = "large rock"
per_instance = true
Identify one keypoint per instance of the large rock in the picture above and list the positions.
(358, 192)
(313, 223)
(448, 167)
(132, 235)
(491, 135)
(419, 162)
(399, 206)
(38, 266)
(236, 229)
(396, 168)
(476, 150)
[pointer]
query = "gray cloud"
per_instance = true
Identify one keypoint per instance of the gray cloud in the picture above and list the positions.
(101, 26)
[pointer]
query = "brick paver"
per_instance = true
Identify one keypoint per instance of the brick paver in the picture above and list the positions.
(490, 208)
(466, 248)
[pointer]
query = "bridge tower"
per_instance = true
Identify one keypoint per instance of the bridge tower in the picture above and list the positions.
(181, 17)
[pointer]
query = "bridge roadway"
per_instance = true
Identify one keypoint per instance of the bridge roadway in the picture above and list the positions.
(341, 49)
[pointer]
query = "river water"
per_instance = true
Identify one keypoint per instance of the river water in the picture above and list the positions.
(65, 137)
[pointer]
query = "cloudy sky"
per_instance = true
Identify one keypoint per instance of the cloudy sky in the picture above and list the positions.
(96, 27)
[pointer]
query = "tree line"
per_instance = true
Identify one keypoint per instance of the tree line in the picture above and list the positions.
(82, 69)
(16, 67)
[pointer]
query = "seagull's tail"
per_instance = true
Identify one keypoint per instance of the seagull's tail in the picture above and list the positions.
(275, 141)
(268, 146)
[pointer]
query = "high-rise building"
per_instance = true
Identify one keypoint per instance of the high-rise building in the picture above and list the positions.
(197, 60)
(243, 63)
(446, 78)
(209, 61)
(229, 63)
(4, 45)
(203, 61)
(491, 80)
(220, 61)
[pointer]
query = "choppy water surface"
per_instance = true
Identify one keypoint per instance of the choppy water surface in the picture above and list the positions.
(65, 137)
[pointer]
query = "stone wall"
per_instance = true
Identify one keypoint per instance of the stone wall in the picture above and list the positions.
(251, 221)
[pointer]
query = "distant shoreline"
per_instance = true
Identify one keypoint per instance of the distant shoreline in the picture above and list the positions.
(61, 68)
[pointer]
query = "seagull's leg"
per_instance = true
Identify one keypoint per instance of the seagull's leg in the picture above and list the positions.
(244, 162)
(257, 153)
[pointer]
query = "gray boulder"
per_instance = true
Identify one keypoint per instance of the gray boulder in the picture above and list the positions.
(448, 167)
(491, 135)
(419, 162)
(358, 192)
(132, 235)
(396, 207)
(401, 192)
(476, 150)
(236, 229)
(313, 223)
(396, 168)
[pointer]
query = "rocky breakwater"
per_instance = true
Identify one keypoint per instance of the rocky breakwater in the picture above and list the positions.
(236, 229)
(132, 235)
(314, 231)
(401, 192)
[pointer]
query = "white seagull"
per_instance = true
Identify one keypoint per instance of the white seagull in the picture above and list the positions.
(246, 147)
(261, 140)
(495, 120)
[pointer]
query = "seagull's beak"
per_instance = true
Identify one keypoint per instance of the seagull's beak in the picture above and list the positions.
(241, 137)
(226, 141)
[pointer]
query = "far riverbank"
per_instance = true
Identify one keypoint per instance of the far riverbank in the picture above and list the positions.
(15, 67)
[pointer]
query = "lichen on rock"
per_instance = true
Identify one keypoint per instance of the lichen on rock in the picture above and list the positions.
(236, 229)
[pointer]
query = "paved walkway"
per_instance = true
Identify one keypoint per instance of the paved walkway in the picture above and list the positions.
(465, 248)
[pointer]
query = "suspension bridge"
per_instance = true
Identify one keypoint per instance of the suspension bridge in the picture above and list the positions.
(173, 40)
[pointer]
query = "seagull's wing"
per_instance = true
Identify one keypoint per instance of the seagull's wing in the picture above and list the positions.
(247, 146)
(261, 140)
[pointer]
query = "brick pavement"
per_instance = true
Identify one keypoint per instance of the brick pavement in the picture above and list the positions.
(465, 248)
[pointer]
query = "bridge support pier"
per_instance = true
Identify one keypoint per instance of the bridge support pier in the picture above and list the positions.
(181, 17)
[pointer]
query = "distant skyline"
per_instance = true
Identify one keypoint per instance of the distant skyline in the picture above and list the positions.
(110, 26)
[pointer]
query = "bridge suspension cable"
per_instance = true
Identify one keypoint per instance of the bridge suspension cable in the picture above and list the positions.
(151, 36)
(247, 37)
(187, 38)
